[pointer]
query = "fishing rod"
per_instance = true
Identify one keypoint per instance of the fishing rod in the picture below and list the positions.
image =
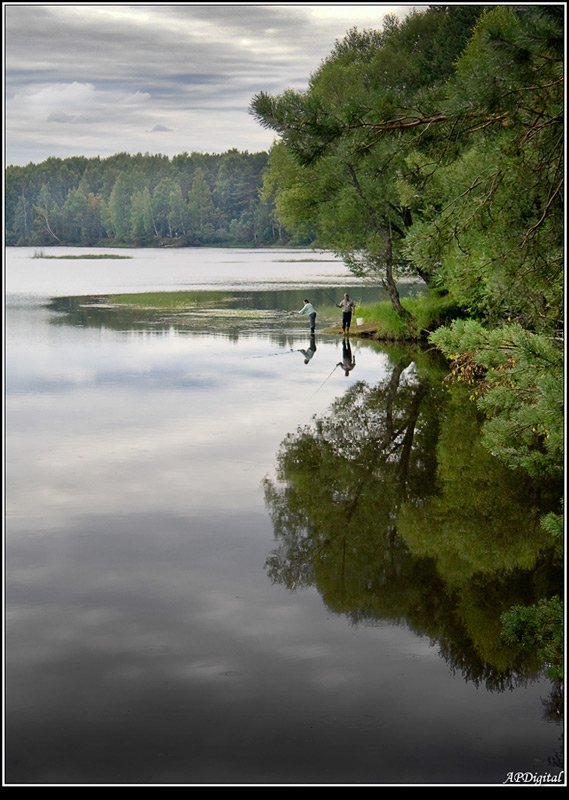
(327, 379)
(329, 296)
(268, 355)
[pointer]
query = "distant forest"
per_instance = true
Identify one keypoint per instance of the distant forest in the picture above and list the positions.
(144, 201)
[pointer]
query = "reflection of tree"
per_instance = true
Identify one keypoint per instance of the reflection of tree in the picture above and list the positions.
(348, 475)
(360, 498)
(483, 528)
(483, 515)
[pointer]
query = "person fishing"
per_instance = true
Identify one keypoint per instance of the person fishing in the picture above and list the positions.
(348, 361)
(310, 350)
(347, 305)
(309, 309)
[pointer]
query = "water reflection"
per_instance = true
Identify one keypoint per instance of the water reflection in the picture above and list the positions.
(348, 361)
(390, 506)
(145, 641)
(310, 350)
(233, 313)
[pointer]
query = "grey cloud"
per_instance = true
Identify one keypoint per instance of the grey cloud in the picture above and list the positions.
(143, 63)
(52, 41)
(61, 116)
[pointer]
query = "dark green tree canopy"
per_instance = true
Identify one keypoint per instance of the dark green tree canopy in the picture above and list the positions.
(348, 137)
(142, 200)
(434, 148)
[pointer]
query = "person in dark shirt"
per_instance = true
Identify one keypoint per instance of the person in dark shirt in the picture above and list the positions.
(348, 361)
(347, 305)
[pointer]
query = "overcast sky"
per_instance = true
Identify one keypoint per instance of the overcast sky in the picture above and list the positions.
(94, 79)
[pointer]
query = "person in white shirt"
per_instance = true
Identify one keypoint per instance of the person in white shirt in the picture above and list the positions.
(310, 350)
(309, 309)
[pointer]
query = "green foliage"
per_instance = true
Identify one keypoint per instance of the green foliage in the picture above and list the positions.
(489, 210)
(141, 222)
(341, 171)
(475, 233)
(553, 524)
(435, 147)
(431, 309)
(516, 378)
(538, 627)
(479, 528)
(143, 201)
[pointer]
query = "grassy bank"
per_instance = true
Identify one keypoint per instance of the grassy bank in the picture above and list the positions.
(426, 313)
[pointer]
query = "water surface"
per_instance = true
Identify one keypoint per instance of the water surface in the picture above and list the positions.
(188, 599)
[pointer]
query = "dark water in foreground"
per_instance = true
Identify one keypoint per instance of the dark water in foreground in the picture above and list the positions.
(226, 566)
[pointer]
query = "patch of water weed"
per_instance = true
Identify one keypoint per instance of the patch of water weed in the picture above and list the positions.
(91, 256)
(170, 300)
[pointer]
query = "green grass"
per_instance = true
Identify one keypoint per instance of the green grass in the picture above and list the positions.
(169, 299)
(426, 313)
(41, 254)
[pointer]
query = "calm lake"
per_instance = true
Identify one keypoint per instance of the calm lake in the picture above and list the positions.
(239, 555)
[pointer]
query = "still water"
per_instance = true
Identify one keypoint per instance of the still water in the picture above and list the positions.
(232, 560)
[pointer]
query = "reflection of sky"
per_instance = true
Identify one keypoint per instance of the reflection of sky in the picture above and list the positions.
(166, 269)
(99, 417)
(145, 642)
(143, 651)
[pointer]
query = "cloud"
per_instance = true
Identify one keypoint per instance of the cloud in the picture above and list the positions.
(191, 69)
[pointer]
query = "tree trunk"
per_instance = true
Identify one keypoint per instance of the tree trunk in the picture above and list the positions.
(427, 277)
(393, 293)
(389, 283)
(43, 214)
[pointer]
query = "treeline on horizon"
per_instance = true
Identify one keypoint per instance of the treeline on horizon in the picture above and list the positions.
(143, 201)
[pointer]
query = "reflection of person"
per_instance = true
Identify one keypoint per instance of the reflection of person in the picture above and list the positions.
(309, 309)
(347, 305)
(311, 349)
(348, 361)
